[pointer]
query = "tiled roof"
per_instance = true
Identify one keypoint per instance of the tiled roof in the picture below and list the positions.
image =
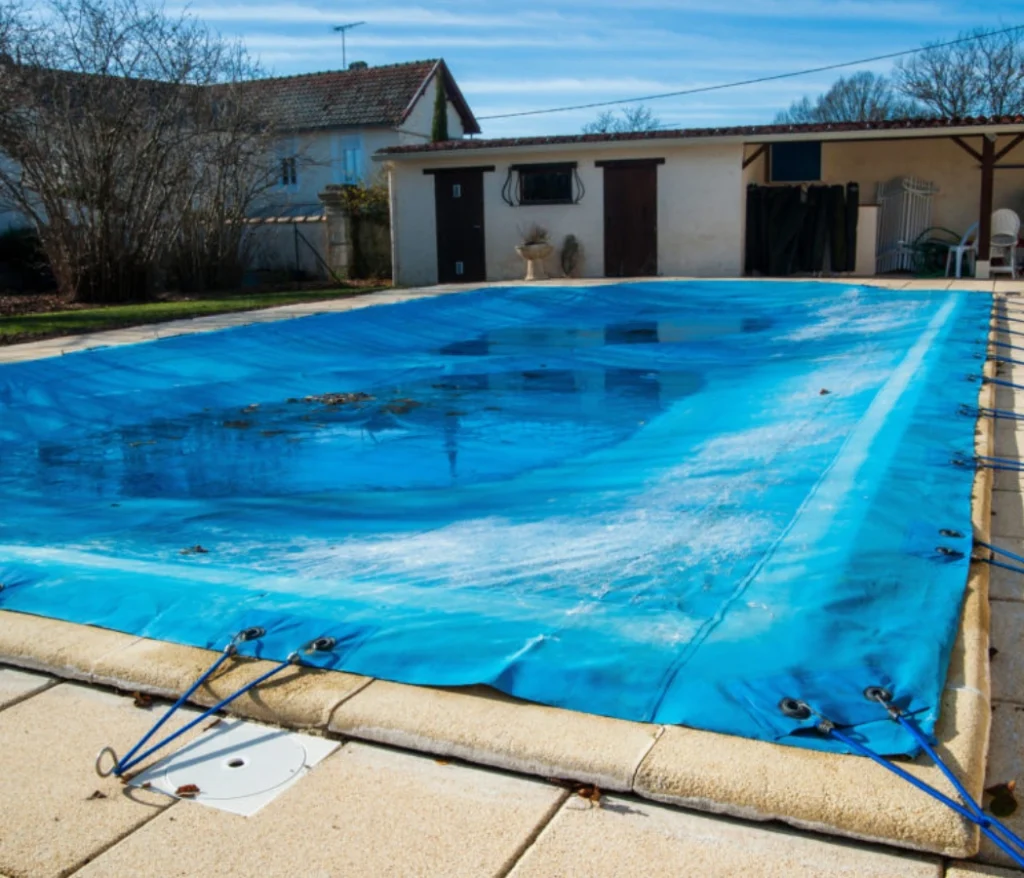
(748, 131)
(369, 96)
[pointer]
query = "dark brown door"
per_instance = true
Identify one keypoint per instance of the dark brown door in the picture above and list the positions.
(459, 202)
(630, 219)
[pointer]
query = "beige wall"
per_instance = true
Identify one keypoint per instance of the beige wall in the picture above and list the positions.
(937, 160)
(700, 212)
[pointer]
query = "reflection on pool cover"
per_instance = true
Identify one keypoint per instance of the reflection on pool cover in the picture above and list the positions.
(673, 502)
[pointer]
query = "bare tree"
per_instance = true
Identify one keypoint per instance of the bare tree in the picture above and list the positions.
(981, 76)
(638, 118)
(860, 97)
(127, 139)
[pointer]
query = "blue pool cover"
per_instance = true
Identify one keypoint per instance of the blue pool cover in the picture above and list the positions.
(670, 502)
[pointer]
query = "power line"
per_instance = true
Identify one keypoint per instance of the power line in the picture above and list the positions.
(760, 79)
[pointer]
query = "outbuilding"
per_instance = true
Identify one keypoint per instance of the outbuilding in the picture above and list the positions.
(845, 198)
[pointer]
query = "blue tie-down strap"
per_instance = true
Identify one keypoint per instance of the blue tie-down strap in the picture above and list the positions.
(809, 714)
(118, 766)
(992, 562)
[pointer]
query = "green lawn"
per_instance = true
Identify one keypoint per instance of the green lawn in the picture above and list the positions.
(26, 327)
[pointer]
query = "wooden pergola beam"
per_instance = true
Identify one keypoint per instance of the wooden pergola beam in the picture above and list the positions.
(1012, 145)
(988, 165)
(970, 150)
(757, 153)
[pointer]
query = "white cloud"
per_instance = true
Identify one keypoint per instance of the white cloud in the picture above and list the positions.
(404, 16)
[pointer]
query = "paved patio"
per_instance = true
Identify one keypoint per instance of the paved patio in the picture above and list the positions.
(370, 809)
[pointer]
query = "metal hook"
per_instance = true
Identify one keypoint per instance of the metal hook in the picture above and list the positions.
(99, 760)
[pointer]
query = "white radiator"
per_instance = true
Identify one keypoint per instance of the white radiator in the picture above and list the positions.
(904, 212)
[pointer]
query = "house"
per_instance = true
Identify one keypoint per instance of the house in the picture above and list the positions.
(331, 124)
(680, 202)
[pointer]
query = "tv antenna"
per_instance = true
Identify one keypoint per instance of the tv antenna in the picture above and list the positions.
(343, 29)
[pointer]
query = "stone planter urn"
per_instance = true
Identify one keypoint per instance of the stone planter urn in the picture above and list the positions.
(535, 254)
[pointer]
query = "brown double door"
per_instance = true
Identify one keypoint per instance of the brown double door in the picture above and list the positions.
(459, 206)
(631, 218)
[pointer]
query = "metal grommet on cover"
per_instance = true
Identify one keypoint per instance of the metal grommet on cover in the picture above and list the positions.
(99, 762)
(952, 554)
(878, 693)
(247, 634)
(952, 534)
(794, 708)
(321, 644)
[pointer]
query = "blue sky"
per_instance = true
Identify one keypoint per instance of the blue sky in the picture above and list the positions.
(532, 54)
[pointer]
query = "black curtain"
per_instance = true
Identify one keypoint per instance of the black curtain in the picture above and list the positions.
(791, 228)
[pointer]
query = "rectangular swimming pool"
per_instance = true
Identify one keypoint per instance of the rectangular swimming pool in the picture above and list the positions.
(669, 501)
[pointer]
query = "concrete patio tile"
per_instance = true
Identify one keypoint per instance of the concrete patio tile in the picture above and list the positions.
(300, 698)
(57, 813)
(1006, 585)
(630, 837)
(1005, 763)
(840, 795)
(1008, 661)
(363, 811)
(1007, 515)
(487, 727)
(17, 685)
(974, 870)
(61, 648)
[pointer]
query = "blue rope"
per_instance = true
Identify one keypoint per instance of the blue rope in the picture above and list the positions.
(952, 778)
(1001, 382)
(123, 763)
(998, 414)
(1004, 344)
(987, 825)
(1008, 361)
(993, 563)
(126, 764)
(1004, 552)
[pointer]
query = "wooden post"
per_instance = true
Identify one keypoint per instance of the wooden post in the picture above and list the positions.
(988, 165)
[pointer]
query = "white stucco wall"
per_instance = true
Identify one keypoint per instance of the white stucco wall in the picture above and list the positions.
(700, 211)
(417, 125)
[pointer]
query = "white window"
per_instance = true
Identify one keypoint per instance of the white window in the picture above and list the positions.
(347, 158)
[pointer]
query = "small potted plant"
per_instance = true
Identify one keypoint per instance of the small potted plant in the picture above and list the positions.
(535, 249)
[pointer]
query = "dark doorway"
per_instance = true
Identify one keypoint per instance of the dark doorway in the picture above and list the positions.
(631, 218)
(459, 203)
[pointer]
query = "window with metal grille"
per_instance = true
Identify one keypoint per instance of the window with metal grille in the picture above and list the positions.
(543, 184)
(546, 186)
(289, 174)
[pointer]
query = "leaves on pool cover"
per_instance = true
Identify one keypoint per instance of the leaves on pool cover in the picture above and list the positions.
(1004, 802)
(401, 406)
(824, 391)
(187, 791)
(337, 398)
(195, 550)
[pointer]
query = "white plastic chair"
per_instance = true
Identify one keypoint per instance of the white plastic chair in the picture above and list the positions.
(968, 246)
(1005, 232)
(1003, 241)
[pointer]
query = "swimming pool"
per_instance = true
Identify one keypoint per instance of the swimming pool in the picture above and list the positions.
(669, 501)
